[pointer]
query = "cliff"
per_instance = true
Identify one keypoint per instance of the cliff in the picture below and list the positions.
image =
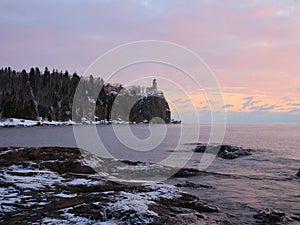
(49, 95)
(146, 109)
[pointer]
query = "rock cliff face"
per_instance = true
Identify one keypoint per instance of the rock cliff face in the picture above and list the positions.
(153, 109)
(49, 95)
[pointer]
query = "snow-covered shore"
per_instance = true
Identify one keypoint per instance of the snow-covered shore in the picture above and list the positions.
(53, 185)
(14, 122)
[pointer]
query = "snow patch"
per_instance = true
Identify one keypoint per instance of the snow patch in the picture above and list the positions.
(140, 167)
(42, 178)
(139, 202)
(91, 100)
(84, 181)
(63, 195)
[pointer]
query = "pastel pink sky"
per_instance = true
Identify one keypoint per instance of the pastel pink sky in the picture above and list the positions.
(253, 47)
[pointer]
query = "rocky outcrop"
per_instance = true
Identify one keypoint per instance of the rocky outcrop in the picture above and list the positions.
(153, 109)
(52, 185)
(274, 217)
(187, 172)
(223, 151)
(193, 185)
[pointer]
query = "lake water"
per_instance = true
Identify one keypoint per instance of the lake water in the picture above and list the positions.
(266, 179)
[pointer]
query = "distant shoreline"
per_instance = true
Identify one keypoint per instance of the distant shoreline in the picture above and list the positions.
(15, 122)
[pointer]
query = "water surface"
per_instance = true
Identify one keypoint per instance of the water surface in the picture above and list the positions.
(241, 186)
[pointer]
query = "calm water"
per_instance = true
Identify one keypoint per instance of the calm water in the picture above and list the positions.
(241, 186)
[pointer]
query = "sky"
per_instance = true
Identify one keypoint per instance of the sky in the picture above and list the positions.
(252, 46)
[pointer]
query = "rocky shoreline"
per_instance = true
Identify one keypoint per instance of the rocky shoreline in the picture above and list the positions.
(55, 185)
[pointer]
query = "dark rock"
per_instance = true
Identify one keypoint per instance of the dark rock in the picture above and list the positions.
(272, 216)
(149, 108)
(202, 206)
(175, 121)
(117, 214)
(200, 147)
(193, 185)
(63, 203)
(186, 172)
(185, 210)
(131, 163)
(298, 174)
(34, 154)
(223, 151)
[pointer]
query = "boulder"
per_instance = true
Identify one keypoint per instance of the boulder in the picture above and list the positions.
(193, 185)
(272, 216)
(223, 151)
(187, 172)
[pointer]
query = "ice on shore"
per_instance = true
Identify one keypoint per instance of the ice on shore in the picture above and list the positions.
(14, 122)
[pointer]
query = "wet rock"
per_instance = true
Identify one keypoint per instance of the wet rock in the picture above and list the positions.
(186, 172)
(202, 206)
(193, 185)
(272, 216)
(223, 151)
(228, 220)
(200, 147)
(68, 166)
(53, 186)
(183, 211)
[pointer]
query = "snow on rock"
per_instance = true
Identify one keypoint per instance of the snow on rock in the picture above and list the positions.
(119, 121)
(62, 196)
(31, 179)
(57, 123)
(83, 181)
(14, 122)
(139, 202)
(139, 167)
(164, 191)
(91, 100)
(136, 202)
(5, 152)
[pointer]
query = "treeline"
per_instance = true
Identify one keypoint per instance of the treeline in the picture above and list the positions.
(49, 95)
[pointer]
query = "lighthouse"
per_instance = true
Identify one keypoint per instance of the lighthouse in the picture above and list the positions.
(154, 85)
